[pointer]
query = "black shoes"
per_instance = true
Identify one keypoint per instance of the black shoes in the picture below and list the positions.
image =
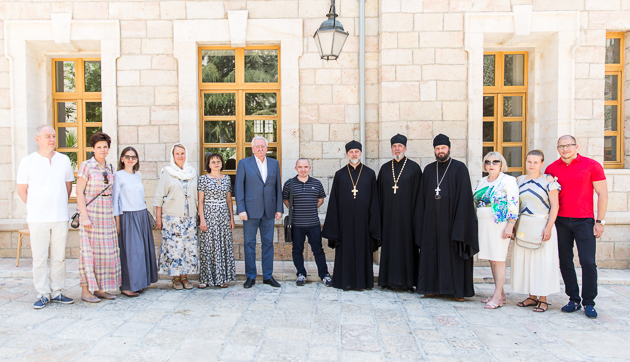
(249, 282)
(271, 281)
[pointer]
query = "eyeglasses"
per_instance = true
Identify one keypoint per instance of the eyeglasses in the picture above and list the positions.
(130, 158)
(493, 162)
(564, 147)
(105, 178)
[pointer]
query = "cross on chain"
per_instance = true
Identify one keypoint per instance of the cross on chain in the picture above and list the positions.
(354, 191)
(437, 192)
(395, 187)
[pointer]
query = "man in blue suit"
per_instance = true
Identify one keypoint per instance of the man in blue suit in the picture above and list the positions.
(258, 192)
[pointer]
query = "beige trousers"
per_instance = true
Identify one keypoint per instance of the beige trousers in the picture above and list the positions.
(45, 235)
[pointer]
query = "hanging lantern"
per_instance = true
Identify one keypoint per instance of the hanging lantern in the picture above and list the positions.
(330, 37)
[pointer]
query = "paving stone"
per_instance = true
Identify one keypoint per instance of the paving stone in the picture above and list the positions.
(313, 323)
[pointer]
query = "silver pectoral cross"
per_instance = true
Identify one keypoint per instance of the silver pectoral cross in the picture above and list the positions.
(437, 193)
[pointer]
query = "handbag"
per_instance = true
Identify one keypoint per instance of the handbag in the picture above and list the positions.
(75, 218)
(152, 220)
(288, 235)
(529, 230)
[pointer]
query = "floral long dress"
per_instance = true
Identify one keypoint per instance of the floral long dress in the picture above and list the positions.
(99, 260)
(178, 253)
(216, 250)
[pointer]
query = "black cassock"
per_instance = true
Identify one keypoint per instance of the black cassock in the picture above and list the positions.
(399, 253)
(353, 227)
(448, 232)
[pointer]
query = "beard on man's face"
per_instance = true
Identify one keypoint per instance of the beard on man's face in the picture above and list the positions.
(443, 156)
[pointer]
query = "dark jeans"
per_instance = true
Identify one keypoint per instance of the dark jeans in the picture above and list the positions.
(314, 234)
(580, 230)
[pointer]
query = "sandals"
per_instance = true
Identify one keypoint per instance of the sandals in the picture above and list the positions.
(491, 305)
(186, 283)
(129, 294)
(539, 309)
(177, 283)
(486, 300)
(223, 286)
(522, 304)
(104, 295)
(202, 286)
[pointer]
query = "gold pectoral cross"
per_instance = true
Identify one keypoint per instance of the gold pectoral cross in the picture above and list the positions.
(354, 191)
(395, 187)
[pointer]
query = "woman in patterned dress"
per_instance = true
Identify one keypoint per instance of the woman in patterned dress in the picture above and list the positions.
(537, 272)
(496, 198)
(99, 260)
(216, 251)
(175, 204)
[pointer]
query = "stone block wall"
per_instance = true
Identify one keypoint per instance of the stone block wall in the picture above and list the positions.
(417, 83)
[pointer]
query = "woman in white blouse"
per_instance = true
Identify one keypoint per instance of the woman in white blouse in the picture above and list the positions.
(135, 238)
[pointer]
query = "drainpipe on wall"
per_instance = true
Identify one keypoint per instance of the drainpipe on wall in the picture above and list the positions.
(362, 77)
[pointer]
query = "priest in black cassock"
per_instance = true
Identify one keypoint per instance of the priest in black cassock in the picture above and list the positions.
(447, 226)
(398, 193)
(353, 225)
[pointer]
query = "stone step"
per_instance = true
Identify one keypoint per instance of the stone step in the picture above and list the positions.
(285, 271)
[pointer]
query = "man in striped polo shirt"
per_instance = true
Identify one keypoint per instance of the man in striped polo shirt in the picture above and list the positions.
(308, 196)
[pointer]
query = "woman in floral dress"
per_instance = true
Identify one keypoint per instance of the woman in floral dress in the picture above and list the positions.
(99, 260)
(496, 198)
(175, 204)
(216, 251)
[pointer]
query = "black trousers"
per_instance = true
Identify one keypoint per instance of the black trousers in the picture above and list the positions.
(314, 234)
(580, 230)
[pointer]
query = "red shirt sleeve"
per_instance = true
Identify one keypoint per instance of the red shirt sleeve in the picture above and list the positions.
(597, 172)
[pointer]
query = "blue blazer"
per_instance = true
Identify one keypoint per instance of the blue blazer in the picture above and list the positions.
(252, 195)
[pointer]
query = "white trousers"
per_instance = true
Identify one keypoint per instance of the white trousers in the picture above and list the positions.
(45, 235)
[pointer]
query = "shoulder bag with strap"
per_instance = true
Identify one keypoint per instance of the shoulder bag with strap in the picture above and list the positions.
(75, 218)
(288, 236)
(529, 230)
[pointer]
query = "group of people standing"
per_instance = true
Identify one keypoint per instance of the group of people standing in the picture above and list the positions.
(429, 224)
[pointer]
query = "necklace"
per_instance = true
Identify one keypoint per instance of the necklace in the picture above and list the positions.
(354, 185)
(439, 182)
(395, 187)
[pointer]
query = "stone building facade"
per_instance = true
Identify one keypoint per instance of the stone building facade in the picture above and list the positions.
(425, 74)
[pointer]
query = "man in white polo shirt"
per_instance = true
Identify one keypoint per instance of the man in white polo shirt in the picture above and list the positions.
(44, 182)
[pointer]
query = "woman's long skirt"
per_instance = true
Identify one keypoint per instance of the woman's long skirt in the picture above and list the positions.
(492, 246)
(137, 251)
(99, 260)
(178, 253)
(216, 249)
(536, 272)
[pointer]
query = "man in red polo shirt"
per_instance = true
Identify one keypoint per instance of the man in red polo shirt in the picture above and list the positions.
(579, 176)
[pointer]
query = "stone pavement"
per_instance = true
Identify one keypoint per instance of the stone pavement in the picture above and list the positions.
(310, 323)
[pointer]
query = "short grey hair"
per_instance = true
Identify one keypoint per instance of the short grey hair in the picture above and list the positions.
(260, 138)
(497, 155)
(39, 129)
(303, 159)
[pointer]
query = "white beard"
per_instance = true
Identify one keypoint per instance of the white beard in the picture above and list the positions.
(355, 161)
(399, 157)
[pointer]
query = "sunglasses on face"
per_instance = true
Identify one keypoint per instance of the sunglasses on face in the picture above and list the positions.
(493, 162)
(105, 178)
(130, 158)
(567, 146)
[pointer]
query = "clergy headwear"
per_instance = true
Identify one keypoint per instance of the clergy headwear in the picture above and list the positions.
(399, 139)
(352, 145)
(440, 140)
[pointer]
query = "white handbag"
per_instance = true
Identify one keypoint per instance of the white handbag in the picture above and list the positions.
(529, 230)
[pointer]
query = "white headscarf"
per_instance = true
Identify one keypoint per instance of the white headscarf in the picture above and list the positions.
(187, 172)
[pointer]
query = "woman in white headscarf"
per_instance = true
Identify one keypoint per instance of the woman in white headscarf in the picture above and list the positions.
(175, 204)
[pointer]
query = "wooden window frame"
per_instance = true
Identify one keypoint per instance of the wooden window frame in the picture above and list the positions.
(499, 91)
(240, 88)
(80, 97)
(617, 69)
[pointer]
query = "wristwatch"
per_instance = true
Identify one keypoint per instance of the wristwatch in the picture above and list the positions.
(603, 222)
